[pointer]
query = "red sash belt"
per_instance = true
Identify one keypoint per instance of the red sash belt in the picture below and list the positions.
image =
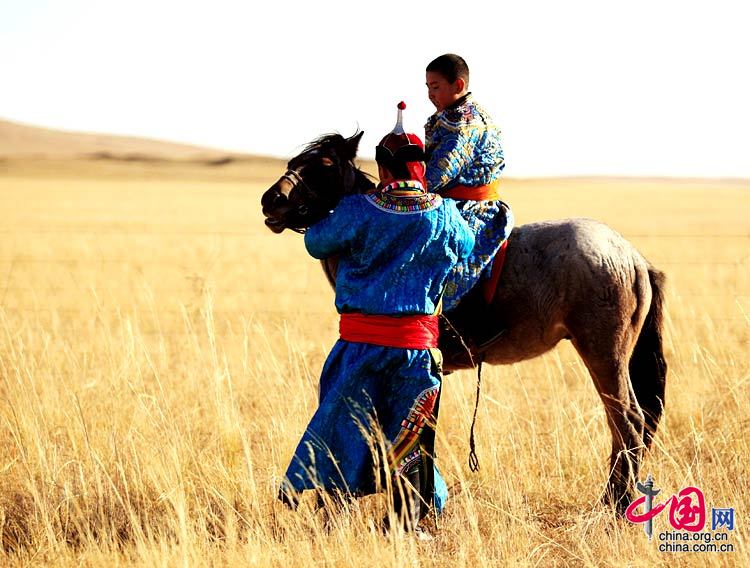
(489, 192)
(407, 332)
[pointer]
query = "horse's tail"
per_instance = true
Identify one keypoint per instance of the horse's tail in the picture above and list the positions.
(648, 368)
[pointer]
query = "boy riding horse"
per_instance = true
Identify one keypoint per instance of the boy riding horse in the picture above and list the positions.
(465, 161)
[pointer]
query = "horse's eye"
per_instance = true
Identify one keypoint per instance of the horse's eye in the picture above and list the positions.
(302, 209)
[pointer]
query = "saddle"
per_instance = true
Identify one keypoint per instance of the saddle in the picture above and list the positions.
(490, 285)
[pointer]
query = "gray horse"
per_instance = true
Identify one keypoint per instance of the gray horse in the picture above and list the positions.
(574, 279)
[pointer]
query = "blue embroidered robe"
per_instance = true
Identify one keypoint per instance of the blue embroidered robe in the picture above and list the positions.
(464, 147)
(395, 253)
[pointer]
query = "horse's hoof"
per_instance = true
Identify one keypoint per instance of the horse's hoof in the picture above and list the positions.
(619, 504)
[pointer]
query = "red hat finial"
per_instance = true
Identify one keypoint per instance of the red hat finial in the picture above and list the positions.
(402, 105)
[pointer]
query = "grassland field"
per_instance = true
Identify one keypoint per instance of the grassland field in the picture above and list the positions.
(159, 358)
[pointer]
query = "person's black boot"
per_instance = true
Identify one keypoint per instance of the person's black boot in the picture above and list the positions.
(407, 502)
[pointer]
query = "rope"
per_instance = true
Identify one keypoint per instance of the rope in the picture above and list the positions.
(458, 335)
(473, 459)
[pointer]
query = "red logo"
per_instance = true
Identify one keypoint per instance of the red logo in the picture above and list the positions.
(687, 510)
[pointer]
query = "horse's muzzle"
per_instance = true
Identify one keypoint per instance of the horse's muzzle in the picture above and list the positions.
(276, 225)
(275, 208)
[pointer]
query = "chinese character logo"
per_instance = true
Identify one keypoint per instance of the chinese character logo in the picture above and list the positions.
(648, 499)
(687, 509)
(722, 518)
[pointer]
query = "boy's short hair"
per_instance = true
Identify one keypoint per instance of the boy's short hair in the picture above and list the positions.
(450, 66)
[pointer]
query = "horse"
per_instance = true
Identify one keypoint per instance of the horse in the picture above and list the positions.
(574, 279)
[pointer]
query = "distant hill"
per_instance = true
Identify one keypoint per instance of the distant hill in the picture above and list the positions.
(20, 140)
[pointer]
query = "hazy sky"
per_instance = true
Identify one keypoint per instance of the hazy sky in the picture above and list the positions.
(578, 87)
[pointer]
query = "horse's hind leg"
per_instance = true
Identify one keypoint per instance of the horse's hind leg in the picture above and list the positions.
(608, 366)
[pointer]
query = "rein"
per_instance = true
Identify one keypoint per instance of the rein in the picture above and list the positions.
(473, 458)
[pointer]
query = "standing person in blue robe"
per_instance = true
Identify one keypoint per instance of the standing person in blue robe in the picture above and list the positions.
(465, 161)
(380, 385)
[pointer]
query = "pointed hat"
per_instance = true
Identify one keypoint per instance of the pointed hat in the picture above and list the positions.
(399, 145)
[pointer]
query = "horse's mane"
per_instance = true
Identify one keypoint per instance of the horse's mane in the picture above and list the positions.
(324, 141)
(335, 141)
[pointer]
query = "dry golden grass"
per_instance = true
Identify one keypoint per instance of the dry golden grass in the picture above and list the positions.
(159, 355)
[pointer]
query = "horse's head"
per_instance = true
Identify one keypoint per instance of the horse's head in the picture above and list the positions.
(314, 183)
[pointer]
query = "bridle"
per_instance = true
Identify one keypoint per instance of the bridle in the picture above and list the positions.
(293, 176)
(295, 179)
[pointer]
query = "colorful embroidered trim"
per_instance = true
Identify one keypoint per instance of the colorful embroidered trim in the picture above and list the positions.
(404, 450)
(404, 187)
(405, 197)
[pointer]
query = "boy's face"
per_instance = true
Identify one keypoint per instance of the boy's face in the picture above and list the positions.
(442, 93)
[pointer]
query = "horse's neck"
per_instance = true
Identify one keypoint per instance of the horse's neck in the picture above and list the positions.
(362, 183)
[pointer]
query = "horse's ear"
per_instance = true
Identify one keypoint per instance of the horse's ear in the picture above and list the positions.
(351, 145)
